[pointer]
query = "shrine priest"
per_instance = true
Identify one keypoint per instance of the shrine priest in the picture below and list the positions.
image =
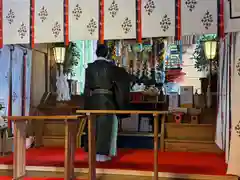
(107, 87)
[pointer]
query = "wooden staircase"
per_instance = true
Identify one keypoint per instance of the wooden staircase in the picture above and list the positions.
(185, 137)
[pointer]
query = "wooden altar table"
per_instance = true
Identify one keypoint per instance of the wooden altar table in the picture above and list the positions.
(71, 129)
(19, 154)
(91, 135)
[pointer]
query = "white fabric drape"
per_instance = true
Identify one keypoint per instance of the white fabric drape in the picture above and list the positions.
(4, 76)
(17, 68)
(28, 81)
(223, 116)
(234, 155)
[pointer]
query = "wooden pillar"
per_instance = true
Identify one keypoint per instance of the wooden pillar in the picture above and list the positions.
(71, 127)
(156, 145)
(162, 132)
(91, 148)
(38, 127)
(19, 155)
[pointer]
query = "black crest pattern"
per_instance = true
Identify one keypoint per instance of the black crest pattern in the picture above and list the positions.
(92, 26)
(237, 128)
(191, 4)
(113, 9)
(10, 16)
(149, 7)
(56, 29)
(238, 66)
(207, 20)
(43, 14)
(77, 12)
(22, 31)
(127, 25)
(165, 23)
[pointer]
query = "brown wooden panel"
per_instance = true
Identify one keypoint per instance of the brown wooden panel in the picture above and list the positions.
(54, 129)
(194, 146)
(53, 141)
(189, 131)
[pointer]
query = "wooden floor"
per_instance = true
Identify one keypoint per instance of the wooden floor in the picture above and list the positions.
(84, 176)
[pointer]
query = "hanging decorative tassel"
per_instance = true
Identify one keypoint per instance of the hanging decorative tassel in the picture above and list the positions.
(139, 20)
(66, 22)
(178, 20)
(221, 33)
(101, 21)
(32, 23)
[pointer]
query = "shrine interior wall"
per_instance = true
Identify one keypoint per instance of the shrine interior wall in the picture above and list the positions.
(40, 73)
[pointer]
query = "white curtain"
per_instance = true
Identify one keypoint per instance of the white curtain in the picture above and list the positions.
(28, 81)
(17, 65)
(223, 116)
(234, 155)
(17, 72)
(4, 78)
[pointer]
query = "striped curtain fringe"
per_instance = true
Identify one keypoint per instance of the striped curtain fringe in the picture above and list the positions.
(178, 20)
(101, 21)
(32, 23)
(139, 20)
(66, 22)
(221, 33)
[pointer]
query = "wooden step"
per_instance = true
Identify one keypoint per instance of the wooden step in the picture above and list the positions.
(184, 131)
(173, 145)
(53, 141)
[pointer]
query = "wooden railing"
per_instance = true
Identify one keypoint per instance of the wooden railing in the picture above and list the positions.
(91, 135)
(71, 128)
(19, 157)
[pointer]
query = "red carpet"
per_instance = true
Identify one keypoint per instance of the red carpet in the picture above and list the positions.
(133, 159)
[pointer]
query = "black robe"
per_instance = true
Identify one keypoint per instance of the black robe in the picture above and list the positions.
(104, 75)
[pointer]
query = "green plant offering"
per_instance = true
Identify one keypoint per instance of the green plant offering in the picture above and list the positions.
(72, 57)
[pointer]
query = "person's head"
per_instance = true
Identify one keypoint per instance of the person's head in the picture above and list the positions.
(102, 50)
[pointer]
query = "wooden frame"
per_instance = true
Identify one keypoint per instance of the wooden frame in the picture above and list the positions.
(71, 131)
(19, 159)
(91, 136)
(79, 172)
(231, 5)
(71, 128)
